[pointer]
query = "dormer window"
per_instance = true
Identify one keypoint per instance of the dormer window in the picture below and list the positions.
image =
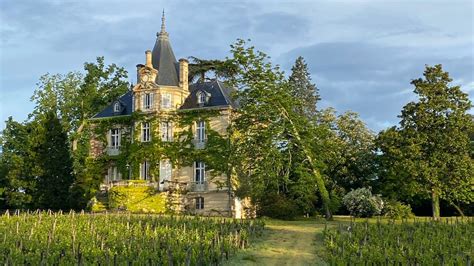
(201, 97)
(116, 107)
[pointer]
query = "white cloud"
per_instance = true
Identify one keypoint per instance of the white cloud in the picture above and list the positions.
(362, 53)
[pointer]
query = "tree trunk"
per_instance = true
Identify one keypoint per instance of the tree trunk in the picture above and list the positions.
(435, 204)
(458, 209)
(319, 179)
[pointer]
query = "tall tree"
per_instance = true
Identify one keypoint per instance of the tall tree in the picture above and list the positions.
(75, 96)
(102, 85)
(60, 93)
(267, 123)
(301, 87)
(349, 150)
(16, 179)
(54, 175)
(428, 153)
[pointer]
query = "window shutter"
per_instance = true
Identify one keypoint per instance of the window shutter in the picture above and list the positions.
(147, 170)
(119, 137)
(152, 100)
(109, 138)
(195, 130)
(170, 131)
(149, 131)
(141, 171)
(162, 131)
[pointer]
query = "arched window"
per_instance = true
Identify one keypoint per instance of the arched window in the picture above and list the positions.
(117, 107)
(201, 97)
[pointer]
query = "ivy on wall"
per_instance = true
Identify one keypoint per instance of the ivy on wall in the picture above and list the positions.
(181, 151)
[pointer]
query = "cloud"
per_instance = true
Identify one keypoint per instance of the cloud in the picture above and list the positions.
(362, 54)
(373, 79)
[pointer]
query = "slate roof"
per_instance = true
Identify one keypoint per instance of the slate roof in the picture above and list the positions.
(126, 103)
(220, 95)
(163, 59)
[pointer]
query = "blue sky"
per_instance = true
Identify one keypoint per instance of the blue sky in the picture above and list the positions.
(361, 54)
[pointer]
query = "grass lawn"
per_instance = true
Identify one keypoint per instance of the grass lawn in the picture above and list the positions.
(293, 242)
(285, 243)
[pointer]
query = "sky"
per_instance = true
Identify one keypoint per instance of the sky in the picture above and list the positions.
(362, 55)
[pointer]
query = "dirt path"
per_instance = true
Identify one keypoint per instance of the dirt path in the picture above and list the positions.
(285, 243)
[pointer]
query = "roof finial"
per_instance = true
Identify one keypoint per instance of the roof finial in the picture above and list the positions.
(163, 32)
(163, 21)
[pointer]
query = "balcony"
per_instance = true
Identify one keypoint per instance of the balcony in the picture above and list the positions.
(198, 186)
(113, 151)
(108, 184)
(199, 143)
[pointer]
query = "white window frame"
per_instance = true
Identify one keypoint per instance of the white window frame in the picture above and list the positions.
(166, 170)
(199, 203)
(117, 107)
(201, 131)
(148, 101)
(115, 138)
(199, 172)
(166, 99)
(166, 130)
(145, 170)
(201, 97)
(146, 129)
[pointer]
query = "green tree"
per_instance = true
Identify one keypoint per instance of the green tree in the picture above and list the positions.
(428, 154)
(16, 179)
(349, 150)
(198, 68)
(54, 164)
(75, 96)
(302, 88)
(267, 123)
(60, 93)
(102, 85)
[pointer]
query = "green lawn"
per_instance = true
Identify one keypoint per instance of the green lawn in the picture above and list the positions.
(285, 243)
(295, 242)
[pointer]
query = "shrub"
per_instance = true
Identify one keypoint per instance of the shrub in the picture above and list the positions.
(279, 207)
(361, 203)
(397, 210)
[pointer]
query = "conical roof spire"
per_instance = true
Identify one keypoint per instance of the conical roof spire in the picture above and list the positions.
(163, 32)
(163, 58)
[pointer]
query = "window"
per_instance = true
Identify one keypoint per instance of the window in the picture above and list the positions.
(201, 97)
(201, 131)
(165, 100)
(165, 170)
(146, 132)
(115, 138)
(199, 172)
(117, 107)
(114, 174)
(147, 101)
(145, 170)
(199, 203)
(166, 130)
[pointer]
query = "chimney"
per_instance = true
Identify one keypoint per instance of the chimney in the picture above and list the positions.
(148, 59)
(139, 68)
(183, 74)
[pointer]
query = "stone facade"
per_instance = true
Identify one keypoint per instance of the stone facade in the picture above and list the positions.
(159, 96)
